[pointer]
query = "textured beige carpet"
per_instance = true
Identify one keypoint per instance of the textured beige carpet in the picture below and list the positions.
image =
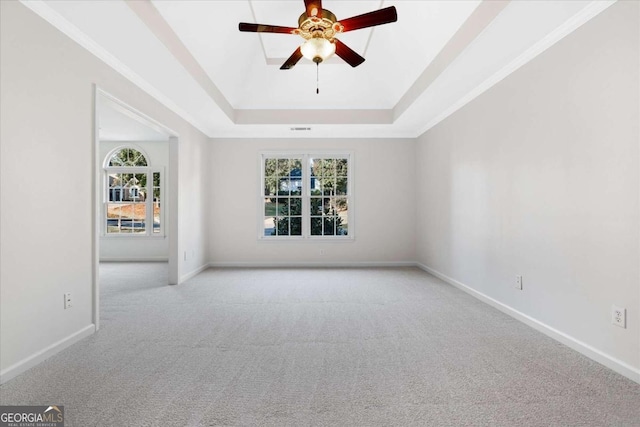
(321, 347)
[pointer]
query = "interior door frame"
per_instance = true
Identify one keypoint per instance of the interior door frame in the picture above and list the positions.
(171, 189)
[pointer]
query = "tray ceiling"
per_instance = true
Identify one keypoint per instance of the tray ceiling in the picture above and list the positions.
(438, 55)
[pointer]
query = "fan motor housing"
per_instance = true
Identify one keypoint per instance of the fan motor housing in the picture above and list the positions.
(323, 25)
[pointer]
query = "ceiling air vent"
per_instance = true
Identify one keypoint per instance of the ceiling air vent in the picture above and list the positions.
(302, 129)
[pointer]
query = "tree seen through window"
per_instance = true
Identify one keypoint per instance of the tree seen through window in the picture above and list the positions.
(133, 195)
(311, 201)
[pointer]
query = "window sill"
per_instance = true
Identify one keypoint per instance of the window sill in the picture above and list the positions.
(314, 239)
(132, 236)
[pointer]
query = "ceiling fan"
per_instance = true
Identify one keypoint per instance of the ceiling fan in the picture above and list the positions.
(319, 27)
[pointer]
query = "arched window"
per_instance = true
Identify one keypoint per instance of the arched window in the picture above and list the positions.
(132, 199)
(127, 157)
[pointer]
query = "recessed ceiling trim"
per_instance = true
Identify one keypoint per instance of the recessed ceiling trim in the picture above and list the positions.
(481, 17)
(150, 16)
(593, 9)
(252, 121)
(134, 114)
(306, 117)
(369, 131)
(43, 10)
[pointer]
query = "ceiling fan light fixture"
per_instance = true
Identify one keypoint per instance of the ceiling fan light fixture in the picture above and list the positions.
(317, 49)
(319, 27)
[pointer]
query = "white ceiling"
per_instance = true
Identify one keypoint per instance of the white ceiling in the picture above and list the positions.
(191, 57)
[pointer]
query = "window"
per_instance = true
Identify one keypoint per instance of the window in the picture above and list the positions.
(305, 196)
(132, 195)
(128, 157)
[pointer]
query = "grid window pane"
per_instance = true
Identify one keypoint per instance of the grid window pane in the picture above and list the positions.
(126, 217)
(322, 189)
(282, 226)
(132, 196)
(296, 226)
(295, 206)
(282, 179)
(128, 157)
(283, 167)
(269, 226)
(316, 226)
(283, 206)
(316, 205)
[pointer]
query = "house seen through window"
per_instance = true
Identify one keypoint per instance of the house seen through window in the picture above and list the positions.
(132, 202)
(305, 195)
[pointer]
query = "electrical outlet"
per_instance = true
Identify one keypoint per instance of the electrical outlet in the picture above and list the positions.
(67, 300)
(185, 255)
(619, 316)
(519, 282)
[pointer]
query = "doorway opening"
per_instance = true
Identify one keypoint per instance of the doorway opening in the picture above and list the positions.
(135, 205)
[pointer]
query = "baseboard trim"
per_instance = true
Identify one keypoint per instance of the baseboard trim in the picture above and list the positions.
(193, 273)
(592, 353)
(306, 264)
(39, 357)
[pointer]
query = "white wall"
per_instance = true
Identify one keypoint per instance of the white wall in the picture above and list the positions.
(139, 248)
(539, 176)
(383, 205)
(46, 136)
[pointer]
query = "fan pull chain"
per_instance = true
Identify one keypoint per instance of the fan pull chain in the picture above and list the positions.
(317, 78)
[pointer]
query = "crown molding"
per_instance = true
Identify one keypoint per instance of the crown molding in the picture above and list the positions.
(586, 14)
(42, 9)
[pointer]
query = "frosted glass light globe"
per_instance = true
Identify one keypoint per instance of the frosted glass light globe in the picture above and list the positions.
(317, 49)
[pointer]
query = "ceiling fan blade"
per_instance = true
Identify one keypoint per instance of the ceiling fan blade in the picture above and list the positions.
(260, 28)
(349, 55)
(371, 19)
(314, 7)
(293, 60)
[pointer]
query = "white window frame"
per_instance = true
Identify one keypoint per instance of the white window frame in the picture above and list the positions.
(149, 171)
(305, 157)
